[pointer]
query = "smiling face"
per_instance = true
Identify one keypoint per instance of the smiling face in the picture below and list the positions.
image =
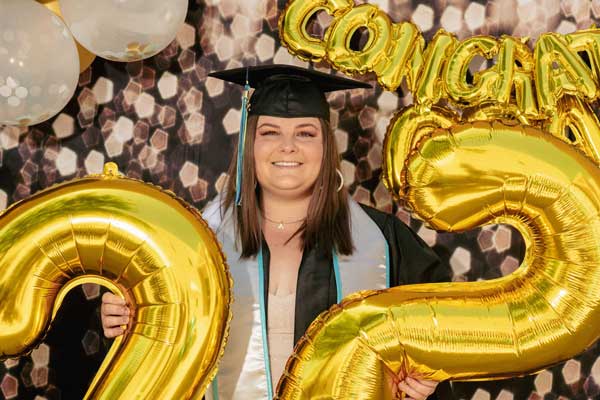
(288, 154)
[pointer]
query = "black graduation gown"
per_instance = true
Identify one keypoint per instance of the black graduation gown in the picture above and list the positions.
(411, 261)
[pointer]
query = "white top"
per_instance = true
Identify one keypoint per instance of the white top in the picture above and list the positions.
(280, 332)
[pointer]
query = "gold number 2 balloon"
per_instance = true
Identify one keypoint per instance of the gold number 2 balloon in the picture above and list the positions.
(456, 178)
(144, 244)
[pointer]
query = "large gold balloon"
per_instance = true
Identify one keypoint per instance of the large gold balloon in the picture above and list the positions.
(145, 245)
(537, 170)
(547, 311)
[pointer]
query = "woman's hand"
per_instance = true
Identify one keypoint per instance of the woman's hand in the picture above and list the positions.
(413, 388)
(416, 389)
(114, 314)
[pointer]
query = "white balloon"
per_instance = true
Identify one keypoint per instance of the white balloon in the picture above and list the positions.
(39, 64)
(124, 30)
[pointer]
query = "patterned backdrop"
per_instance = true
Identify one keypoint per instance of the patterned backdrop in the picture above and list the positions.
(162, 120)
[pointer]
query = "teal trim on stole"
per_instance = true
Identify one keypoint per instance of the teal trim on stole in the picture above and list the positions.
(388, 271)
(215, 388)
(338, 278)
(263, 322)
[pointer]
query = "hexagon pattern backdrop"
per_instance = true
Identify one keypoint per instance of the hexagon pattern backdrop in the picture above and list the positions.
(164, 121)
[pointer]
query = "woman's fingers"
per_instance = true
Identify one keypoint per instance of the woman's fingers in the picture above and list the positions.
(113, 325)
(113, 332)
(110, 321)
(417, 389)
(422, 386)
(114, 314)
(113, 309)
(404, 387)
(425, 382)
(109, 298)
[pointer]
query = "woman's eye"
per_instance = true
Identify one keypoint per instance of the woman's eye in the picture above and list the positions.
(306, 134)
(268, 133)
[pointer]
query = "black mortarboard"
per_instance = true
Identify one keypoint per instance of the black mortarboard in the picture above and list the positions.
(281, 91)
(288, 91)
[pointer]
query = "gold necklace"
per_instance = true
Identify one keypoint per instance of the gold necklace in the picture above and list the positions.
(280, 224)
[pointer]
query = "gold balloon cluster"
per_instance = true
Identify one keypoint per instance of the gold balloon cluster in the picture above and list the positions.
(532, 82)
(145, 245)
(516, 143)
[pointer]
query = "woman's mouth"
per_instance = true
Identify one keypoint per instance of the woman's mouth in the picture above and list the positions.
(286, 164)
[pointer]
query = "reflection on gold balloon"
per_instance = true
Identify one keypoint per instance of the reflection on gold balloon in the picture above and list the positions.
(145, 245)
(579, 118)
(374, 51)
(484, 82)
(547, 311)
(417, 122)
(85, 57)
(558, 72)
(431, 67)
(294, 20)
(491, 111)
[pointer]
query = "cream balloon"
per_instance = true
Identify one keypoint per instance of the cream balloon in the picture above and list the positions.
(124, 30)
(39, 65)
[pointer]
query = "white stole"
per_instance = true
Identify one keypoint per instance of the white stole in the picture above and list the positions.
(242, 371)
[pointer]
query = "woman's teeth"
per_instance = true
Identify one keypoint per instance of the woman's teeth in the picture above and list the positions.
(286, 164)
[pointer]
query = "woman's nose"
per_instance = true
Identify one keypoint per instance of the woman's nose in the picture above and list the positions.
(288, 144)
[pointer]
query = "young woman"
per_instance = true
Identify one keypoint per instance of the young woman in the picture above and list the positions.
(295, 241)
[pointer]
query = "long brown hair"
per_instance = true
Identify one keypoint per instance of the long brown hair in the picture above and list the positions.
(327, 223)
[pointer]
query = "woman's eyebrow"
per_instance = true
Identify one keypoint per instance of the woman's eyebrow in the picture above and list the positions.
(268, 125)
(306, 125)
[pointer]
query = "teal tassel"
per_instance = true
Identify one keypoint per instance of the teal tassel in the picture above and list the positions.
(241, 143)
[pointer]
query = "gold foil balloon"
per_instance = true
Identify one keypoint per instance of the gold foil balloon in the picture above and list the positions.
(537, 170)
(417, 122)
(39, 67)
(144, 244)
(85, 57)
(547, 311)
(404, 50)
(124, 30)
(491, 111)
(430, 81)
(535, 82)
(560, 71)
(294, 20)
(574, 116)
(484, 82)
(373, 53)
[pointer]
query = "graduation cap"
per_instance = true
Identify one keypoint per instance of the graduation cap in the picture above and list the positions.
(282, 91)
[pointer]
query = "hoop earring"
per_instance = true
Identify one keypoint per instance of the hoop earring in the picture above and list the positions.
(341, 179)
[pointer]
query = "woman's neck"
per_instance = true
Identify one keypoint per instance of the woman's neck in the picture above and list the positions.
(284, 208)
